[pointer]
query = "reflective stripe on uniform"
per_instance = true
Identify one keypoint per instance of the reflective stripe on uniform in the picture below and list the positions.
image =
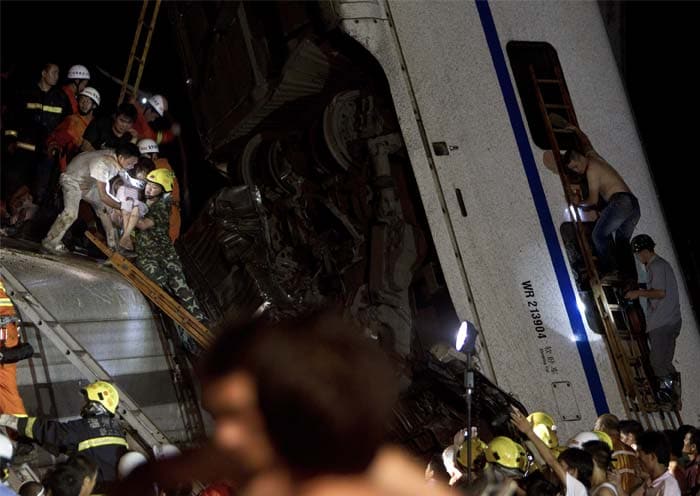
(96, 442)
(5, 302)
(10, 132)
(159, 137)
(26, 146)
(45, 108)
(29, 428)
(49, 108)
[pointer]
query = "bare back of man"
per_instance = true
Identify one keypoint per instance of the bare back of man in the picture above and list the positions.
(621, 212)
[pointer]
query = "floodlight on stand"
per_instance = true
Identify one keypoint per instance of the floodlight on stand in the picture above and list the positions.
(466, 338)
(466, 343)
(461, 336)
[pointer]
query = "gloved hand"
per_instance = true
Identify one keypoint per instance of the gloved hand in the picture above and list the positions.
(8, 421)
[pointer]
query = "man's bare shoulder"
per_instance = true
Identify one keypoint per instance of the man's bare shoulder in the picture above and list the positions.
(341, 486)
(397, 473)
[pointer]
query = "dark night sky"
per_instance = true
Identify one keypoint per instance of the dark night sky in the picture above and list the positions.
(661, 42)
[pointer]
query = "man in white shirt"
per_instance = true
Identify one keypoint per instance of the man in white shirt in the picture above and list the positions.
(87, 178)
(654, 453)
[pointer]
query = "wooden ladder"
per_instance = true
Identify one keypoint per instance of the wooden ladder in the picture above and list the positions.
(156, 294)
(628, 353)
(139, 48)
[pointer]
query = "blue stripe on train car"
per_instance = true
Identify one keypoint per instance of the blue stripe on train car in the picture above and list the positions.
(543, 212)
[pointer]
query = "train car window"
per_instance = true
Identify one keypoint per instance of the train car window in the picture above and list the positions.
(543, 58)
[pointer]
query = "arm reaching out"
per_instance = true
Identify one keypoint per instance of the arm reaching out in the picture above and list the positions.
(106, 199)
(521, 423)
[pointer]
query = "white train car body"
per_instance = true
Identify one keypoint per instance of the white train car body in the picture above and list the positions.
(500, 250)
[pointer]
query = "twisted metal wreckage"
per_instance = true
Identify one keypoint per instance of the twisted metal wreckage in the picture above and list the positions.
(322, 207)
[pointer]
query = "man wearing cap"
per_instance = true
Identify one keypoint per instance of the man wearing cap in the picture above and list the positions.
(663, 315)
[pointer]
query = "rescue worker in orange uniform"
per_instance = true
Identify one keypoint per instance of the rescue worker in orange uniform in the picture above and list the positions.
(149, 149)
(10, 400)
(78, 79)
(156, 106)
(65, 141)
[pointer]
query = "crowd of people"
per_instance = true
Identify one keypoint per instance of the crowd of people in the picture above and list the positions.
(283, 397)
(108, 168)
(45, 125)
(598, 462)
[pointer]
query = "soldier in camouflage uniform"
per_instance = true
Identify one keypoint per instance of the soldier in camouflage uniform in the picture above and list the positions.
(155, 255)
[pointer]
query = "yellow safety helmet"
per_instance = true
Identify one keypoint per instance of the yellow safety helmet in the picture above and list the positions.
(162, 177)
(478, 449)
(103, 393)
(507, 453)
(605, 437)
(544, 427)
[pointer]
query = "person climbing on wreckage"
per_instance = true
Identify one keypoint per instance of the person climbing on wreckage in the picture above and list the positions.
(155, 255)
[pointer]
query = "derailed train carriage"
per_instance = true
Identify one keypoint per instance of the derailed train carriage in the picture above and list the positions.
(378, 156)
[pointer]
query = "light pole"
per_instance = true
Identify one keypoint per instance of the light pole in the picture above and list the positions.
(466, 343)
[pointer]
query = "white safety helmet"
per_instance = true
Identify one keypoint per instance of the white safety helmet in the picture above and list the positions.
(6, 448)
(581, 438)
(91, 93)
(161, 451)
(159, 103)
(78, 72)
(147, 146)
(128, 462)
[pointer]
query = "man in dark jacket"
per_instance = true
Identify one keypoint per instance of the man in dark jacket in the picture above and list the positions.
(97, 435)
(32, 115)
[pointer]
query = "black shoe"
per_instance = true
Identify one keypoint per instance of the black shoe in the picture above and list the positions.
(669, 390)
(25, 452)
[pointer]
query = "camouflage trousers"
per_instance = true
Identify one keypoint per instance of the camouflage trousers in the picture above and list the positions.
(166, 271)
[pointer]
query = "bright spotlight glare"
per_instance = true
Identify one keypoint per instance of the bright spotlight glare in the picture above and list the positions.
(461, 336)
(581, 306)
(144, 100)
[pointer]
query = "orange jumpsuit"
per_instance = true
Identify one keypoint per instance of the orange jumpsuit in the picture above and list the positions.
(71, 97)
(144, 130)
(68, 137)
(10, 401)
(175, 221)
